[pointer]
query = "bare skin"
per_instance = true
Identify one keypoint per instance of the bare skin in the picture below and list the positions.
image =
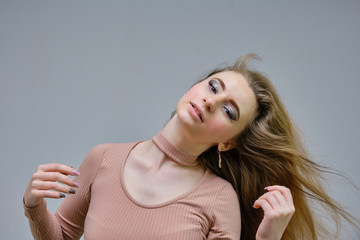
(278, 208)
(50, 181)
(152, 178)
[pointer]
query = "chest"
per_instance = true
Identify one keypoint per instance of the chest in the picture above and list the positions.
(113, 214)
(152, 185)
(177, 221)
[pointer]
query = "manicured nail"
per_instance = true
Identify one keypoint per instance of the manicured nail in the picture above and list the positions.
(266, 188)
(62, 195)
(76, 172)
(75, 184)
(72, 191)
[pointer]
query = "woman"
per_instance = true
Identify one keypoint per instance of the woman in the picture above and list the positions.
(230, 126)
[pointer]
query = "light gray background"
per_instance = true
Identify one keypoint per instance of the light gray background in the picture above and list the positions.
(74, 74)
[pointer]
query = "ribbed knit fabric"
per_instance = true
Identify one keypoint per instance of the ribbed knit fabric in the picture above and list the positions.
(102, 208)
(173, 152)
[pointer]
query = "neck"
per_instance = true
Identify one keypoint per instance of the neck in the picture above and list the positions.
(181, 138)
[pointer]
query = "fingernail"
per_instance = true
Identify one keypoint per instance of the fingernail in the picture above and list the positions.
(62, 195)
(266, 188)
(72, 191)
(75, 184)
(76, 172)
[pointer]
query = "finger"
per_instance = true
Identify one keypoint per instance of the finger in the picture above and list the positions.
(58, 167)
(266, 207)
(288, 206)
(55, 176)
(283, 190)
(285, 208)
(41, 185)
(46, 194)
(280, 198)
(270, 198)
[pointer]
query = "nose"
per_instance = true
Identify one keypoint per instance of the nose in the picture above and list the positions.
(209, 104)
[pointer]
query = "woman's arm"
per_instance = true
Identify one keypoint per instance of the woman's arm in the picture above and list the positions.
(53, 181)
(49, 181)
(278, 208)
(226, 215)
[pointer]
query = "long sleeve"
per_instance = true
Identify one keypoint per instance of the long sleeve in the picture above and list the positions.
(68, 221)
(226, 216)
(102, 208)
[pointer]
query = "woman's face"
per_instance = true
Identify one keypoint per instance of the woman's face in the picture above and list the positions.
(218, 108)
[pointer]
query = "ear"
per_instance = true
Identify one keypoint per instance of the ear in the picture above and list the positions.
(225, 146)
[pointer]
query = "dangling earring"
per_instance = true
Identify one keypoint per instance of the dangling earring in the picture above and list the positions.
(219, 153)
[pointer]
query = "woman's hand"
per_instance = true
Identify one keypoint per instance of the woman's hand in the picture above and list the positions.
(50, 181)
(278, 208)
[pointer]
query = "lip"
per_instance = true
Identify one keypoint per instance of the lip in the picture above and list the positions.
(197, 111)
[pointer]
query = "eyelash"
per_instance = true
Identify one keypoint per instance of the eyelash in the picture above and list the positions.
(213, 86)
(214, 89)
(229, 112)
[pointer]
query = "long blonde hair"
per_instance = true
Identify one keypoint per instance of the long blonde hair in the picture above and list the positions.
(268, 152)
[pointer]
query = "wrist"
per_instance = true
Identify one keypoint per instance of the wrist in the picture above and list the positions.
(269, 237)
(30, 204)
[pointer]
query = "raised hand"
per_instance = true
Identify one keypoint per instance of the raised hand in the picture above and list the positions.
(50, 181)
(278, 208)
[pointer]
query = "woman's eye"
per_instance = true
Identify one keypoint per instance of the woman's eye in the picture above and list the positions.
(213, 86)
(229, 112)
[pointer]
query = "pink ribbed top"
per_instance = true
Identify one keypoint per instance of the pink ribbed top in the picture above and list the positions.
(102, 209)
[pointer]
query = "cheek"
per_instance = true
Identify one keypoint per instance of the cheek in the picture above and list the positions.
(194, 91)
(219, 127)
(188, 96)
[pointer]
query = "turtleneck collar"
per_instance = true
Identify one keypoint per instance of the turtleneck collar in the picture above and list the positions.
(174, 153)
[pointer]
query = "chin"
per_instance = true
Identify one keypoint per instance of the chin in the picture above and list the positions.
(183, 117)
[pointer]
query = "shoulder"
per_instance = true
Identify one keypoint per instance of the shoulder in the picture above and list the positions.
(220, 185)
(115, 150)
(103, 149)
(100, 149)
(224, 194)
(98, 153)
(218, 191)
(225, 209)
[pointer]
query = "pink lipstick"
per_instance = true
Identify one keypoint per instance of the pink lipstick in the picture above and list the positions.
(197, 112)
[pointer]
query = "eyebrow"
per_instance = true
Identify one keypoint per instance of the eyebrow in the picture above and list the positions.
(223, 86)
